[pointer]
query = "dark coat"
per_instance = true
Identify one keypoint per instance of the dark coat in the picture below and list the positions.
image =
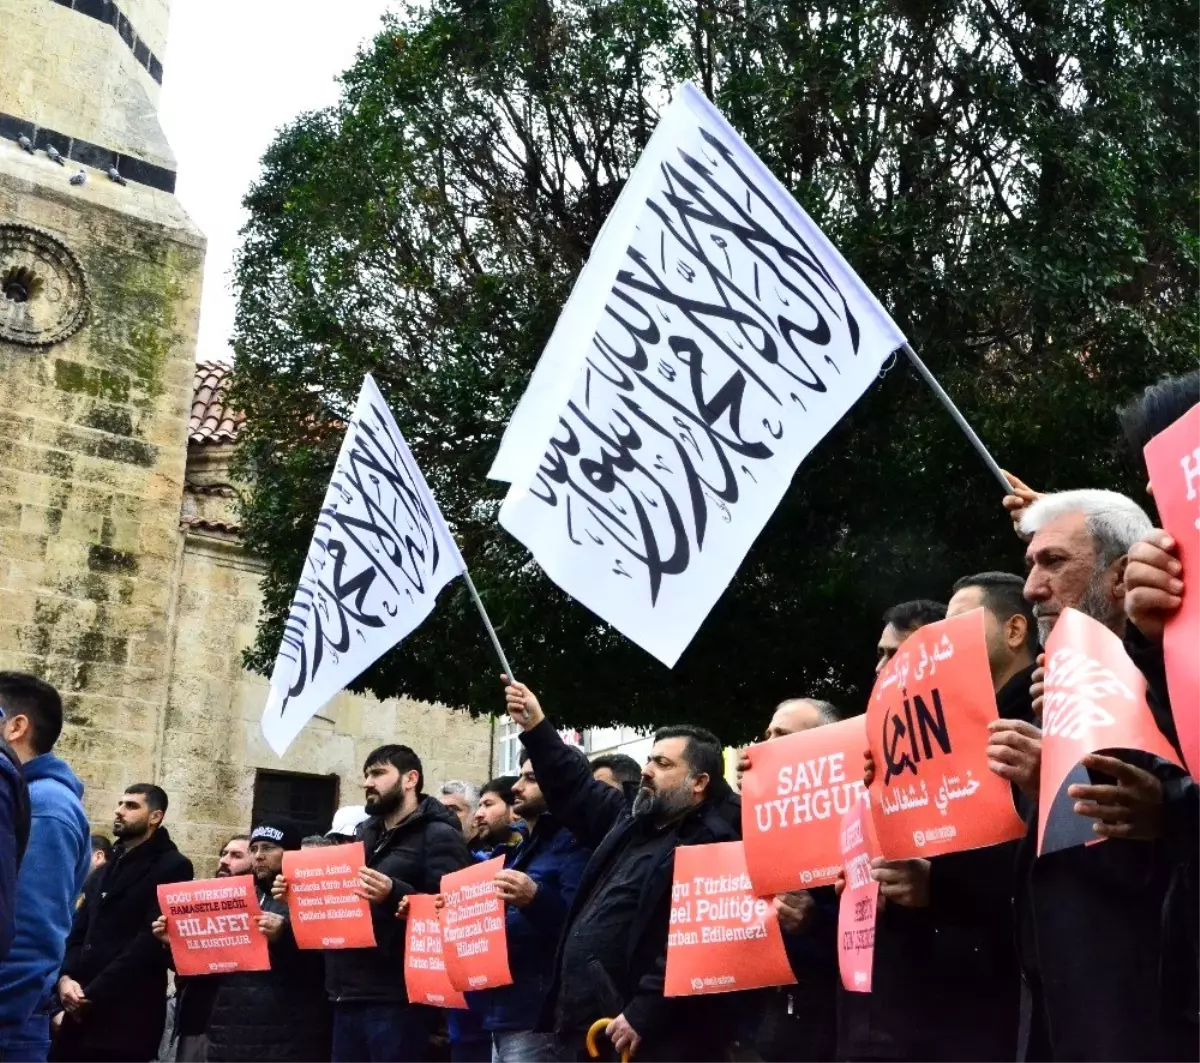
(112, 953)
(945, 980)
(799, 1022)
(1092, 950)
(415, 854)
(599, 817)
(555, 861)
(276, 1015)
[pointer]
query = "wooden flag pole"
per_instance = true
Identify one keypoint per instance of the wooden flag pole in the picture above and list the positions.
(959, 419)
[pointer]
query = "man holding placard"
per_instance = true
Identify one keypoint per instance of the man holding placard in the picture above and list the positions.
(280, 1014)
(1080, 906)
(947, 930)
(799, 1022)
(411, 841)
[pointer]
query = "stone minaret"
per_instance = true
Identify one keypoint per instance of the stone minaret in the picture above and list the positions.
(99, 305)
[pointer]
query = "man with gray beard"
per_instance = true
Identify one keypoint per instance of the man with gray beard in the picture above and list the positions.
(1089, 917)
(612, 953)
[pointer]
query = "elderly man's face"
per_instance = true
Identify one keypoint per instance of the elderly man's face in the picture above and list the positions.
(1061, 561)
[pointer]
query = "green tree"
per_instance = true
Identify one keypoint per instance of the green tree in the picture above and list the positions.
(1015, 179)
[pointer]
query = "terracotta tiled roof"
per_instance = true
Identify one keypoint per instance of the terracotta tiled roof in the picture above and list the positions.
(210, 421)
(203, 524)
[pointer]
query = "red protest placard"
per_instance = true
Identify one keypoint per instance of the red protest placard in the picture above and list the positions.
(212, 925)
(859, 902)
(474, 940)
(793, 797)
(424, 967)
(1173, 461)
(326, 911)
(1095, 699)
(723, 938)
(927, 726)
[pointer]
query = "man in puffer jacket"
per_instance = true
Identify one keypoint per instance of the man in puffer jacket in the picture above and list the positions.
(278, 1015)
(538, 886)
(411, 841)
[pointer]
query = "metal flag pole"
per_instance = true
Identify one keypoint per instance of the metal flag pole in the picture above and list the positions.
(959, 419)
(487, 623)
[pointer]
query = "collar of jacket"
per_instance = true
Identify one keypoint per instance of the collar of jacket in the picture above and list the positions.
(374, 834)
(1013, 701)
(159, 842)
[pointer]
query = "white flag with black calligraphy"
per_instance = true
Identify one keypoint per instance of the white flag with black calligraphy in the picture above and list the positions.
(380, 554)
(714, 336)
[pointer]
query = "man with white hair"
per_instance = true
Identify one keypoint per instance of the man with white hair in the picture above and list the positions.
(1088, 917)
(462, 798)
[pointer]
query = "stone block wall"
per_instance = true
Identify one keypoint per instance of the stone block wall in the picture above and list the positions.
(92, 465)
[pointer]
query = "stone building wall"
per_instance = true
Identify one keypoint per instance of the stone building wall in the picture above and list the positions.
(121, 577)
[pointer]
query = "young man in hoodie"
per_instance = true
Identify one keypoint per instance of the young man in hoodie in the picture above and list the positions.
(411, 841)
(56, 863)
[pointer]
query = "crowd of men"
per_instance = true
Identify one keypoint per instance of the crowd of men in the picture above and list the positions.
(1087, 953)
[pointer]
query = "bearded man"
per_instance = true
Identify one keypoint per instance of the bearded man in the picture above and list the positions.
(612, 952)
(411, 841)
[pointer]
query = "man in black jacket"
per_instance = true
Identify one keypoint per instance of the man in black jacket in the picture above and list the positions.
(114, 977)
(799, 1022)
(945, 933)
(1090, 917)
(411, 841)
(612, 955)
(281, 1014)
(194, 996)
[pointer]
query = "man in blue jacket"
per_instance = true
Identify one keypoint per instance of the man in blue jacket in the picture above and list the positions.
(538, 886)
(56, 862)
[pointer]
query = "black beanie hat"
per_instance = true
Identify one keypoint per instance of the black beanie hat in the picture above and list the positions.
(279, 831)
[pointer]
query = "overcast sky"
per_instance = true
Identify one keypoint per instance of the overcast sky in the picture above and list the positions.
(234, 72)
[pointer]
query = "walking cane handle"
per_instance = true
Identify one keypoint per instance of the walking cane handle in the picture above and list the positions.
(597, 1028)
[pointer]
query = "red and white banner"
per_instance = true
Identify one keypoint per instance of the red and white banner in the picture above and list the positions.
(927, 724)
(793, 798)
(1173, 461)
(474, 938)
(859, 902)
(1095, 699)
(424, 965)
(325, 910)
(723, 938)
(213, 926)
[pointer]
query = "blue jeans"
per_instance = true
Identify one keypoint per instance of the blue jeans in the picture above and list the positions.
(381, 1033)
(524, 1046)
(27, 1043)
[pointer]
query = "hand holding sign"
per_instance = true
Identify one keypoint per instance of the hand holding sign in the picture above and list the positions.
(374, 886)
(1132, 808)
(212, 926)
(515, 888)
(794, 910)
(474, 935)
(793, 797)
(1014, 753)
(1153, 589)
(903, 882)
(1095, 700)
(325, 897)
